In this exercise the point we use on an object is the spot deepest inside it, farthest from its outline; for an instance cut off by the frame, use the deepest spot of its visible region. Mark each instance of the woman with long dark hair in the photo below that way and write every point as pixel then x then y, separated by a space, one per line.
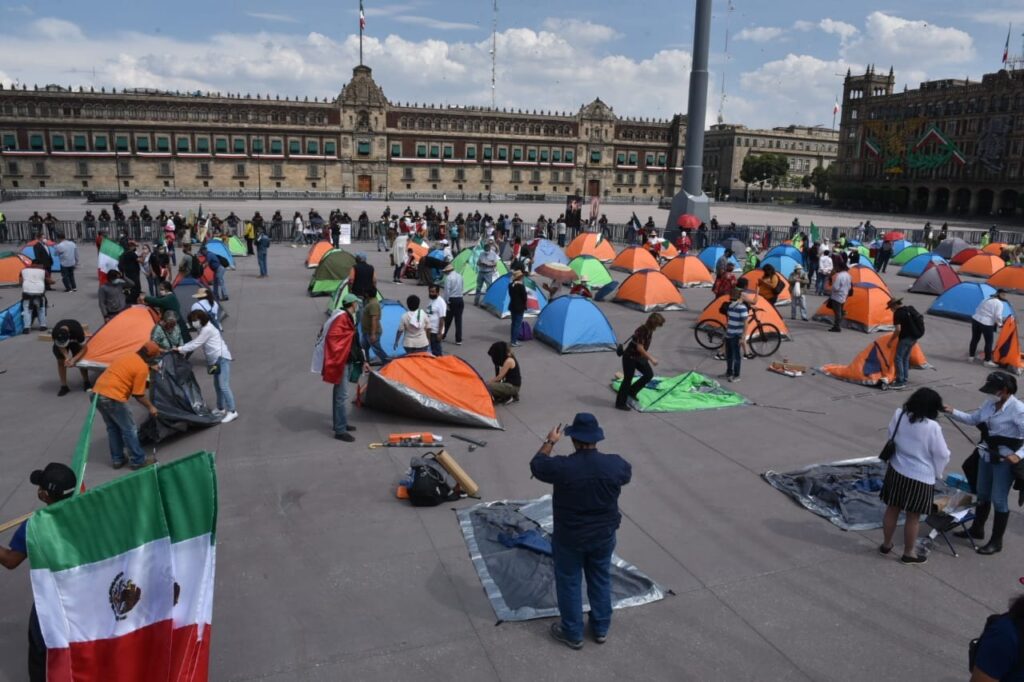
pixel 504 386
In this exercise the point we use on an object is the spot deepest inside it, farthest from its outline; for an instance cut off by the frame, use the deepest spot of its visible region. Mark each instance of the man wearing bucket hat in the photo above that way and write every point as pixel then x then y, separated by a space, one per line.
pixel 1001 422
pixel 586 484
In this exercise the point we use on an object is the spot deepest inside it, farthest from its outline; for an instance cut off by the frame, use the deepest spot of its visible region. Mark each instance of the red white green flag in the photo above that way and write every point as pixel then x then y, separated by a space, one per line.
pixel 110 254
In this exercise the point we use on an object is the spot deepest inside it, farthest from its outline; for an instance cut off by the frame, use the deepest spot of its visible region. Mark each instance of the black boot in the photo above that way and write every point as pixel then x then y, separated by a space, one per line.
pixel 995 545
pixel 977 530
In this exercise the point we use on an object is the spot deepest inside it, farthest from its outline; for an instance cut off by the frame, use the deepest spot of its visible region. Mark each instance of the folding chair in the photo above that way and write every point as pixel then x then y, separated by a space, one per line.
pixel 943 523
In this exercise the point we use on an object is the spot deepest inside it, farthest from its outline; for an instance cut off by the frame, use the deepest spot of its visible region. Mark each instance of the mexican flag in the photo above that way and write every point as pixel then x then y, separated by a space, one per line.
pixel 110 254
pixel 123 575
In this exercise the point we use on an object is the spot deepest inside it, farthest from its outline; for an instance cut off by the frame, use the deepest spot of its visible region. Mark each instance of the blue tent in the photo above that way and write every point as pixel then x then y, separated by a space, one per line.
pixel 573 324
pixel 390 315
pixel 916 266
pixel 219 248
pixel 960 302
pixel 785 250
pixel 866 262
pixel 30 253
pixel 11 322
pixel 546 251
pixel 496 298
pixel 710 256
pixel 784 265
pixel 899 245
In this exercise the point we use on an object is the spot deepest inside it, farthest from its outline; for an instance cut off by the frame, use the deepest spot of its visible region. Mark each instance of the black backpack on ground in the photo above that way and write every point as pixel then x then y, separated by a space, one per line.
pixel 431 483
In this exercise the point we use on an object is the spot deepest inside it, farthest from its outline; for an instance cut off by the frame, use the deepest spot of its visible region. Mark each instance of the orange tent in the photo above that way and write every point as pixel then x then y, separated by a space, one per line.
pixel 123 334
pixel 765 312
pixel 316 252
pixel 862 274
pixel 591 244
pixel 995 248
pixel 965 255
pixel 876 364
pixel 418 250
pixel 649 290
pixel 1010 278
pixel 433 389
pixel 668 249
pixel 865 310
pixel 687 271
pixel 634 259
pixel 983 265
pixel 754 277
pixel 1006 353
pixel 11 265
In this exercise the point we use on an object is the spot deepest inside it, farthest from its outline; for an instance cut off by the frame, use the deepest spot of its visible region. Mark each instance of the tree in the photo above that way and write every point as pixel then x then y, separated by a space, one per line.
pixel 822 178
pixel 805 182
pixel 761 168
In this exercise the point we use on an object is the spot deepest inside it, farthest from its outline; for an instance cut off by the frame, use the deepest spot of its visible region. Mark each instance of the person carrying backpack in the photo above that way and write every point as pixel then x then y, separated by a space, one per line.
pixel 725 282
pixel 909 329
pixel 998 653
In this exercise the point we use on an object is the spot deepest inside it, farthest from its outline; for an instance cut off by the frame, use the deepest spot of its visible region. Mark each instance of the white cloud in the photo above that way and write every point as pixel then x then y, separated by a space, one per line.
pixel 996 17
pixel 6 80
pixel 795 89
pixel 50 28
pixel 842 29
pixel 23 10
pixel 801 25
pixel 889 39
pixel 760 34
pixel 269 16
pixel 577 30
pixel 436 24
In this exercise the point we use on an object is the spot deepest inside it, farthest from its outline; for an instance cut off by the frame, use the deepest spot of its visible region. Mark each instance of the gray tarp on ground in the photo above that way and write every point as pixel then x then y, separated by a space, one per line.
pixel 520 582
pixel 174 391
pixel 845 492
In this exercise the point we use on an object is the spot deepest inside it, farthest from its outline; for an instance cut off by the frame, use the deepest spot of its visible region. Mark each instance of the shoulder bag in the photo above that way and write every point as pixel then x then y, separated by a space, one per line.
pixel 889 449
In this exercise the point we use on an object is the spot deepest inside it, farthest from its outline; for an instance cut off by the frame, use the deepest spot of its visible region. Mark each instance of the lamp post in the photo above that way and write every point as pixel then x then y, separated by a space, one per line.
pixel 259 175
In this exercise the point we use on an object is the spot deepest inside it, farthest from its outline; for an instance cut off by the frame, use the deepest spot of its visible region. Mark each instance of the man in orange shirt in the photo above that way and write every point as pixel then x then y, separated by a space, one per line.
pixel 126 378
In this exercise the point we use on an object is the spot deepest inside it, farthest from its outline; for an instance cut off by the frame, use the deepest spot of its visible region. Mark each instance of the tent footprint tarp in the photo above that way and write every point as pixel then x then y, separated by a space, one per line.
pixel 684 393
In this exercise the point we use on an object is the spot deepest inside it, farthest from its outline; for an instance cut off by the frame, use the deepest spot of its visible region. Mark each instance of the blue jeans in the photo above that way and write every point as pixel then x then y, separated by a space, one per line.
pixel 798 305
pixel 595 563
pixel 27 311
pixel 903 349
pixel 222 386
pixel 375 346
pixel 517 322
pixel 994 481
pixel 483 283
pixel 67 276
pixel 340 396
pixel 220 289
pixel 732 356
pixel 121 431
pixel 435 344
pixel 261 260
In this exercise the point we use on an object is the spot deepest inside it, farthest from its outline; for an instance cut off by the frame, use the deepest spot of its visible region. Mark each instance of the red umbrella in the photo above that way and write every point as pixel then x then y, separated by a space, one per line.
pixel 689 222
pixel 557 272
pixel 893 236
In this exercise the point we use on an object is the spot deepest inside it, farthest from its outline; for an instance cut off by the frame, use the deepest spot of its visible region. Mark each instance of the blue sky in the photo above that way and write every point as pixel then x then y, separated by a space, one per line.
pixel 781 66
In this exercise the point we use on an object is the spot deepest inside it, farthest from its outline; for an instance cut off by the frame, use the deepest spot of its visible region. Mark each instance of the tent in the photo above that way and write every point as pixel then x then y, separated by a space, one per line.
pixel 634 259
pixel 11 265
pixel 935 280
pixel 332 271
pixel 736 245
pixel 865 254
pixel 237 246
pixel 876 364
pixel 573 324
pixel 900 244
pixel 784 265
pixel 785 250
pixel 916 265
pixel 11 321
pixel 122 334
pixel 906 254
pixel 594 270
pixel 866 309
pixel 648 291
pixel 29 252
pixel 862 274
pixel 339 294
pixel 435 389
pixel 466 257
pixel 766 312
pixel 983 265
pixel 218 248
pixel 591 244
pixel 390 317
pixel 668 250
pixel 710 256
pixel 469 273
pixel 686 392
pixel 687 271
pixel 949 248
pixel 754 277
pixel 961 301
pixel 864 263
pixel 995 248
pixel 546 251
pixel 496 299
pixel 419 247
pixel 317 252
pixel 1006 353
pixel 1010 278
pixel 174 391
pixel 509 543
pixel 964 256
pixel 206 278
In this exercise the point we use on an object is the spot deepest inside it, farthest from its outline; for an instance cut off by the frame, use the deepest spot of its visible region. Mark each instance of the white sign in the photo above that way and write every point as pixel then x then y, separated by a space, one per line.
pixel 346 233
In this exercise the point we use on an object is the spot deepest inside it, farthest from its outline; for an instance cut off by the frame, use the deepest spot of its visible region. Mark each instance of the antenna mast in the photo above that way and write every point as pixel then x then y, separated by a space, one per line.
pixel 494 54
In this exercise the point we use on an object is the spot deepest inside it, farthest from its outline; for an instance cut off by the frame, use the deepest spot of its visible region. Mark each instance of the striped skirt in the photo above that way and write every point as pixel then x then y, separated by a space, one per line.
pixel 909 495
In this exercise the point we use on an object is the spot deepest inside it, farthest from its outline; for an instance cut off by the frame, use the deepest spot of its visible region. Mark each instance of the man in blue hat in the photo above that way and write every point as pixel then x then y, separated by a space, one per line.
pixel 586 484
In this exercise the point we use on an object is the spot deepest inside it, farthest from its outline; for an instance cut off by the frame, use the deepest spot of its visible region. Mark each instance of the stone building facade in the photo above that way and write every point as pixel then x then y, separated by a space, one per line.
pixel 949 147
pixel 358 143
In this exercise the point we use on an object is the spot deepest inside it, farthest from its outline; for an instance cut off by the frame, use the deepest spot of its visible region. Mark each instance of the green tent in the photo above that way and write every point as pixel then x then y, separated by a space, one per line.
pixel 466 256
pixel 468 272
pixel 340 294
pixel 906 254
pixel 594 270
pixel 865 253
pixel 331 272
pixel 684 393
pixel 237 246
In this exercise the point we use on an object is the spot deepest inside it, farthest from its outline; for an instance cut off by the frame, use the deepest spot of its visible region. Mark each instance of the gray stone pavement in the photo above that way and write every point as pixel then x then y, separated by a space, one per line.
pixel 324 575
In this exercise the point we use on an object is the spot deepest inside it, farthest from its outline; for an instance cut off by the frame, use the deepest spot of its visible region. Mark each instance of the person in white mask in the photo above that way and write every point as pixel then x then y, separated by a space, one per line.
pixel 218 361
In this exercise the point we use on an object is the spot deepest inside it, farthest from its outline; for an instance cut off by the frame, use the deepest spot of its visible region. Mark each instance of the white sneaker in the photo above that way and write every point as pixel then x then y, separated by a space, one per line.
pixel 229 417
pixel 218 413
pixel 989 363
pixel 970 358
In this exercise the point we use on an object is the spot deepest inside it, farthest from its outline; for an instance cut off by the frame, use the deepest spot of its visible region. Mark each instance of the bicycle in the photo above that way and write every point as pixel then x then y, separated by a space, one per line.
pixel 764 338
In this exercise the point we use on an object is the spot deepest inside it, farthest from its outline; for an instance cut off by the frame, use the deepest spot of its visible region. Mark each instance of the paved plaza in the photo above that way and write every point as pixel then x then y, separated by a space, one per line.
pixel 323 575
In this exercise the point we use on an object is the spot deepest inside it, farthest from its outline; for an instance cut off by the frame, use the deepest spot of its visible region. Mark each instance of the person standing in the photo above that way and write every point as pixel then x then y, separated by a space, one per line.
pixel 220 288
pixel 517 301
pixel 587 484
pixel 362 280
pixel 130 266
pixel 218 361
pixel 437 310
pixel 453 296
pixel 824 271
pixel 262 246
pixel 842 286
pixel 67 252
pixel 370 321
pixel 68 344
pixel 486 262
pixel 884 255
pixel 771 285
pixel 123 379
pixel 908 330
pixel 250 232
pixel 736 313
pixel 33 296
pixel 160 265
pixel 986 319
pixel 413 325
pixel 1001 422
pixel 298 230
pixel 921 456
pixel 331 357
pixel 508 380
pixel 636 356
pixel 798 282
pixel 111 295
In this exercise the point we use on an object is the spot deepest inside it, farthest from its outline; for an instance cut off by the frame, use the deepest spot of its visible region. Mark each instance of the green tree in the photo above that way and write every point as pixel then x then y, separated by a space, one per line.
pixel 761 168
pixel 822 178
pixel 805 182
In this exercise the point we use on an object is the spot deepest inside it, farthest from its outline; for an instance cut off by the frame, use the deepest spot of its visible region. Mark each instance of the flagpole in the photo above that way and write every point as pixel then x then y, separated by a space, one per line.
pixel 362 24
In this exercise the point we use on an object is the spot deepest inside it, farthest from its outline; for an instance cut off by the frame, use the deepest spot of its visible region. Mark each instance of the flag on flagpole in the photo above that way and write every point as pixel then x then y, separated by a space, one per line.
pixel 362 17
pixel 1006 48
pixel 81 456
pixel 835 107
pixel 110 254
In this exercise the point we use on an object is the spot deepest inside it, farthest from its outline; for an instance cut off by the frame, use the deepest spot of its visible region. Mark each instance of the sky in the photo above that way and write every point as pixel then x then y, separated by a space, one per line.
pixel 783 63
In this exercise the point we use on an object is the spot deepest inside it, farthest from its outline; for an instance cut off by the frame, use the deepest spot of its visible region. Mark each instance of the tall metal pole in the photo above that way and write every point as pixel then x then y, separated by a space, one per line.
pixel 698 102
pixel 494 55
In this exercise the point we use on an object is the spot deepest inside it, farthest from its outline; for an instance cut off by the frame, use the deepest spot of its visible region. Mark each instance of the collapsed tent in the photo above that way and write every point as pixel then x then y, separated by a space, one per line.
pixel 918 264
pixel 649 290
pixel 876 364
pixel 907 254
pixel 845 493
pixel 11 321
pixel 125 333
pixel 317 252
pixel 935 280
pixel 594 270
pixel 949 248
pixel 509 543
pixel 496 299
pixel 983 265
pixel 174 391
pixel 591 244
pixel 634 259
pixel 573 324
pixel 784 265
pixel 546 251
pixel 964 256
pixel 1010 278
pixel 216 247
pixel 866 309
pixel 754 278
pixel 333 269
pixel 390 317
pixel 439 389
pixel 766 312
pixel 961 301
pixel 685 392
pixel 1006 353
pixel 11 265
pixel 237 247
pixel 710 256
pixel 29 252
pixel 687 271
pixel 785 250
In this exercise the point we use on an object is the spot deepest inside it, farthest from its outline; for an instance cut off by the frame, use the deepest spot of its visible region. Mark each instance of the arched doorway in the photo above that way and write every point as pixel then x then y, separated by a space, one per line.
pixel 941 199
pixel 985 198
pixel 593 187
pixel 962 202
pixel 921 200
pixel 1010 202
pixel 364 184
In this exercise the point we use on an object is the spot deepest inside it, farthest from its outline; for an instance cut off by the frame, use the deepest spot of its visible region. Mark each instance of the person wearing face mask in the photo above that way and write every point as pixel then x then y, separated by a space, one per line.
pixel 206 303
pixel 218 361
pixel 485 265
pixel 111 295
pixel 125 378
pixel 166 333
pixel 331 354
pixel 68 345
pixel 653 245
pixel 165 301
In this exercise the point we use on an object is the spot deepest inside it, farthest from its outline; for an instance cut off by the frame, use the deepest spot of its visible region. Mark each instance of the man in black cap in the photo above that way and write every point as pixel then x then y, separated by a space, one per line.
pixel 68 343
pixel 56 482
pixel 586 484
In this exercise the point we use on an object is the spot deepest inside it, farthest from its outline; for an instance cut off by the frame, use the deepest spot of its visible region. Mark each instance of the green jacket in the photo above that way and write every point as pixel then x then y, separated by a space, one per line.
pixel 170 302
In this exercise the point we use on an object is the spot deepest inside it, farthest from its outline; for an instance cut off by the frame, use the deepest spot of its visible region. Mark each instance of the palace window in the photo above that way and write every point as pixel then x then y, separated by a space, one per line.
pixel 277 170
pixel 294 147
pixel 535 176
pixel 421 151
pixel 312 147
pixel 435 174
pixel 100 143
pixel 569 156
pixel 460 174
pixel 182 143
pixel 221 145
pixel 331 148
pixel 165 169
pixel 142 144
pixel 471 151
pixel 517 176
pixel 544 155
pixel 517 154
pixel 79 143
pixel 488 153
pixel 632 158
pixel 204 170
pixel 448 151
pixel 121 143
pixel 595 156
pixel 396 149
pixel 239 145
pixel 10 141
pixel 240 170
pixel 661 159
pixel 276 146
pixel 407 174
pixel 163 143
pixel 620 158
pixel 82 169
pixel 312 171
pixel 556 155
pixel 363 148
pixel 649 160
pixel 502 154
pixel 487 175
pixel 435 151
pixel 56 143
pixel 257 145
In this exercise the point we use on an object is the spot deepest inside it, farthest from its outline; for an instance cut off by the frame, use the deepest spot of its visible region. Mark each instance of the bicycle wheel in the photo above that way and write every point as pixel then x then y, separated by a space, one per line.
pixel 710 334
pixel 765 340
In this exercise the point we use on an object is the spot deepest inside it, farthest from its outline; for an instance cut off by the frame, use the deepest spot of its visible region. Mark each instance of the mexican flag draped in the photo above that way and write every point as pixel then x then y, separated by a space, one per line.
pixel 110 254
pixel 123 576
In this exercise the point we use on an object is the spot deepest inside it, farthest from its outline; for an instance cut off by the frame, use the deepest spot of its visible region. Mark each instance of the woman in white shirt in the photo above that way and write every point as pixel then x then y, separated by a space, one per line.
pixel 920 458
pixel 218 361
pixel 413 324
